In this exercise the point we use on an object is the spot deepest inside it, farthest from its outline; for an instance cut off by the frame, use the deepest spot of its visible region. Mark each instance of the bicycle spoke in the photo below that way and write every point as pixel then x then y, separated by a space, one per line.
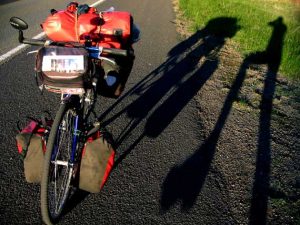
pixel 60 175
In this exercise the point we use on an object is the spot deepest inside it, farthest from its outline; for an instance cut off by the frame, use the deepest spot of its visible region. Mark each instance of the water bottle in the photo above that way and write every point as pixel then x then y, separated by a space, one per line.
pixel 111 9
pixel 110 78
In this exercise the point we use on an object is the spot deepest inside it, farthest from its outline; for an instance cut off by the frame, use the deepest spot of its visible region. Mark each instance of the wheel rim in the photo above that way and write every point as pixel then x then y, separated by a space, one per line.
pixel 61 168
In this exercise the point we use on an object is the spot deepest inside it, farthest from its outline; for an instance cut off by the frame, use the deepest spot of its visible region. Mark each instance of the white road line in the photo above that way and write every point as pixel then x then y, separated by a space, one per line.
pixel 5 57
pixel 16 50
pixel 97 3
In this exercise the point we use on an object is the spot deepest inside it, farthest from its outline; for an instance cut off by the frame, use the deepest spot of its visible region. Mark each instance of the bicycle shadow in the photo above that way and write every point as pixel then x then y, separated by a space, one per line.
pixel 177 80
pixel 3 2
pixel 184 182
pixel 76 198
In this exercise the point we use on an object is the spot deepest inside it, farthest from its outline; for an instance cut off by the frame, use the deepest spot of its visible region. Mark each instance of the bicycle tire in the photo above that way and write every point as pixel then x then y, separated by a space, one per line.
pixel 53 171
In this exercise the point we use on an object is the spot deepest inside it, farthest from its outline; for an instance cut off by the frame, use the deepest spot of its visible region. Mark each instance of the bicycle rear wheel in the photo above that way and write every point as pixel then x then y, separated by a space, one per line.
pixel 58 170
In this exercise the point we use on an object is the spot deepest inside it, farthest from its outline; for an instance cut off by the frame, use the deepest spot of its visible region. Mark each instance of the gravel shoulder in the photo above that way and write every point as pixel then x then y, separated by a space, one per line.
pixel 250 118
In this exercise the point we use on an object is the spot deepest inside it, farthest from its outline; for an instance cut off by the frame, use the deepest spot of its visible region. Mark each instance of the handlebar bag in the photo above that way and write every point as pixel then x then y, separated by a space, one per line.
pixel 96 163
pixel 63 68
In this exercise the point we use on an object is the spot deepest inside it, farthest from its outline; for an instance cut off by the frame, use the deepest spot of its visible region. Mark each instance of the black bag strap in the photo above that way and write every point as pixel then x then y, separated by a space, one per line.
pixel 27 140
pixel 40 123
pixel 39 81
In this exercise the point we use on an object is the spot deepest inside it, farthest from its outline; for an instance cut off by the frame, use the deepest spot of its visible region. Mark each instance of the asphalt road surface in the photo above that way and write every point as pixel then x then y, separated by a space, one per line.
pixel 32 11
pixel 154 123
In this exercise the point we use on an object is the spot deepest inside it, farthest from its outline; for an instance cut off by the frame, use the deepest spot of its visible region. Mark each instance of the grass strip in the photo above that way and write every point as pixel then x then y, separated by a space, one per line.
pixel 253 17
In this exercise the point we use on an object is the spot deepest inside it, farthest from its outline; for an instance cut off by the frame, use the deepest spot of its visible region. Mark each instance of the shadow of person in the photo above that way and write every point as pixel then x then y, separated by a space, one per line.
pixel 185 181
pixel 216 30
pixel 272 58
pixel 182 182
pixel 273 53
pixel 177 80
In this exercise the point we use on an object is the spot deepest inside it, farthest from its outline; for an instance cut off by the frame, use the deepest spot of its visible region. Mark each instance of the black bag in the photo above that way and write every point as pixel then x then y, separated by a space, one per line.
pixel 115 75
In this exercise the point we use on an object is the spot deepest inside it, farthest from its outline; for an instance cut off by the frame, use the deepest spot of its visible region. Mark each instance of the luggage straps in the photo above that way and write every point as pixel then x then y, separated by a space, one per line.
pixel 34 127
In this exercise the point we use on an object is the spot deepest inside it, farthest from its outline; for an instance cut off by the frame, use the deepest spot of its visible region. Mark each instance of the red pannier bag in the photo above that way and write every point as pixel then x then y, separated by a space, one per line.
pixel 96 164
pixel 116 29
pixel 31 143
pixel 107 29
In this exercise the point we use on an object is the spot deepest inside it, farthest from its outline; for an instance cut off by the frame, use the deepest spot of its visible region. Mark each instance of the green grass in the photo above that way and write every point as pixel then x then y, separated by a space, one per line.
pixel 253 18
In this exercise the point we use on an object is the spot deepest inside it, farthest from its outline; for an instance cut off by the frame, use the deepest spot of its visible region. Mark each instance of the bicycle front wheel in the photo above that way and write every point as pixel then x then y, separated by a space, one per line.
pixel 58 170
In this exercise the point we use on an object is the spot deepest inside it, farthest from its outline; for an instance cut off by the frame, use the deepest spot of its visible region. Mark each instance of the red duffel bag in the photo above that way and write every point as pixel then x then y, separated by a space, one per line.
pixel 108 29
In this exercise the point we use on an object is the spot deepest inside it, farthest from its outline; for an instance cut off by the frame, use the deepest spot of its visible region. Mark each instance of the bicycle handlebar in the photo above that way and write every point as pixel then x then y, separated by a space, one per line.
pixel 110 51
pixel 115 51
pixel 33 42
